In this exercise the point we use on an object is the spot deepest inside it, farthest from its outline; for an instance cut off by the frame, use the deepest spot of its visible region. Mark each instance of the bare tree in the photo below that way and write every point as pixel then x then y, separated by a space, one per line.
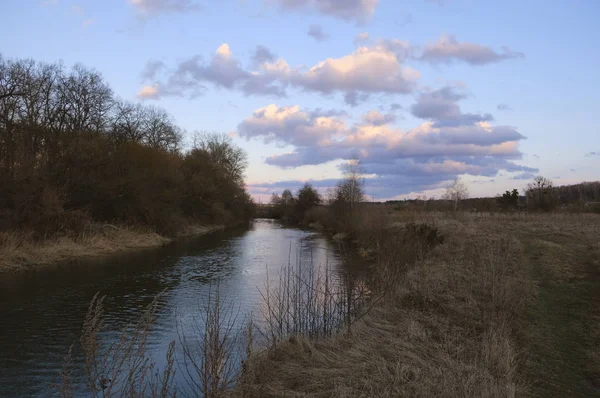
pixel 287 197
pixel 223 152
pixel 350 190
pixel 160 130
pixel 456 192
pixel 541 194
pixel 127 122
pixel 86 100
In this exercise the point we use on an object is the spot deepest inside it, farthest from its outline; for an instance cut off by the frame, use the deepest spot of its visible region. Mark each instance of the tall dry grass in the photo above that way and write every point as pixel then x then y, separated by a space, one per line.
pixel 211 348
pixel 122 368
pixel 19 250
pixel 310 301
pixel 445 327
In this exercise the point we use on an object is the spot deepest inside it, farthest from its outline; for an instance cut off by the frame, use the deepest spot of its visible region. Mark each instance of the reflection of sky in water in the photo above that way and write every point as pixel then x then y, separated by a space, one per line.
pixel 41 312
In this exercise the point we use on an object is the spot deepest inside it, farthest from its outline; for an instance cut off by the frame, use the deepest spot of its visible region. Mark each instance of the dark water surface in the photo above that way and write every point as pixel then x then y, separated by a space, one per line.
pixel 41 311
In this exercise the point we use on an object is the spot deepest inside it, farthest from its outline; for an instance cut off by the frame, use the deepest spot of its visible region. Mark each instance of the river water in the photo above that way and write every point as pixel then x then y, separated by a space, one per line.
pixel 42 311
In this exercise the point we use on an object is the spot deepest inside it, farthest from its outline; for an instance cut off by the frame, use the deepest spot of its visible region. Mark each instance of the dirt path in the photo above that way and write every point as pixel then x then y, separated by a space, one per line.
pixel 562 335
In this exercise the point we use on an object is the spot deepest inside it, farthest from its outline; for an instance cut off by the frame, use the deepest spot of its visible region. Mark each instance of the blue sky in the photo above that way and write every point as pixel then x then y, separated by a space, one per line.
pixel 421 91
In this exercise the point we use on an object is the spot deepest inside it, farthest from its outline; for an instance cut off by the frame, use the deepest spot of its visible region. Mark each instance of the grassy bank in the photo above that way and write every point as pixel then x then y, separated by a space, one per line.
pixel 445 327
pixel 18 251
pixel 507 306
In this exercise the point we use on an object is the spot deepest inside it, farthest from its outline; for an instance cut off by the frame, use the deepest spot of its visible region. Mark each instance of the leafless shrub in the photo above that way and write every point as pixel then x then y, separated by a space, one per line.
pixel 122 368
pixel 310 301
pixel 210 361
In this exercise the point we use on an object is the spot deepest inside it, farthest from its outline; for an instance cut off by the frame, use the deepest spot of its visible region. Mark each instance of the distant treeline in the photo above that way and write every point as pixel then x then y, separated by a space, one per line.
pixel 72 153
pixel 540 194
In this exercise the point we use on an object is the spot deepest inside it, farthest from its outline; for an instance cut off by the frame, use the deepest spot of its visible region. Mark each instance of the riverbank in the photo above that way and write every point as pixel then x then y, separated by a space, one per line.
pixel 490 312
pixel 18 252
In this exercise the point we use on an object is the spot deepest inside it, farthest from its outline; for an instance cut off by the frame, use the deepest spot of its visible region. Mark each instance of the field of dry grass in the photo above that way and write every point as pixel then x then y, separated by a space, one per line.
pixel 19 252
pixel 508 306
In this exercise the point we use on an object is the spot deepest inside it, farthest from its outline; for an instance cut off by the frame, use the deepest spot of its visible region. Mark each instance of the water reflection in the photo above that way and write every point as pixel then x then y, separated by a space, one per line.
pixel 41 311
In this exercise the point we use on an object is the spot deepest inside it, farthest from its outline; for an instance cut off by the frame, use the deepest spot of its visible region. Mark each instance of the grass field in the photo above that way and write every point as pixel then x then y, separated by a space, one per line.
pixel 508 306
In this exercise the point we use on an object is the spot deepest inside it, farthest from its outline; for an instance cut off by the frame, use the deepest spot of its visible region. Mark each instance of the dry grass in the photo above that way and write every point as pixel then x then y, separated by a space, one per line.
pixel 122 368
pixel 18 251
pixel 446 329
pixel 508 306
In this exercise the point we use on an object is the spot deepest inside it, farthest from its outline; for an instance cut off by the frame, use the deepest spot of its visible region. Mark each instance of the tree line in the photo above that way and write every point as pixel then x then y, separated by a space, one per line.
pixel 539 195
pixel 338 212
pixel 71 153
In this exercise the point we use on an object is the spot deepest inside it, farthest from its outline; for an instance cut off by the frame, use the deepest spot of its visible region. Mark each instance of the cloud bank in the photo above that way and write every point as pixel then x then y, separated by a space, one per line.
pixel 447 144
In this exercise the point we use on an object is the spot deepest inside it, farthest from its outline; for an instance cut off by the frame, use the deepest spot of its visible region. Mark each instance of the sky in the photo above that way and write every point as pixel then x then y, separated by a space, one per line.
pixel 421 92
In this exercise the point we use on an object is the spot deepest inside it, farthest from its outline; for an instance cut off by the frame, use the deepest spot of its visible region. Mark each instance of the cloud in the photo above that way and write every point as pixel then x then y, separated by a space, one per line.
pixel 367 70
pixel 361 38
pixel 590 154
pixel 317 33
pixel 150 8
pixel 442 108
pixel 222 71
pixel 261 55
pixel 447 50
pixel 399 161
pixel 290 125
pixel 504 107
pixel 524 176
pixel 148 92
pixel 377 119
pixel 353 98
pixel 348 10
pixel 151 70
pixel 87 22
pixel 395 107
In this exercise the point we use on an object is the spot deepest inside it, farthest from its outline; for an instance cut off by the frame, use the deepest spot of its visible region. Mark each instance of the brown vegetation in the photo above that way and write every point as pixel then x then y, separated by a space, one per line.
pixel 445 327
pixel 459 304
pixel 507 306
pixel 72 155
pixel 19 251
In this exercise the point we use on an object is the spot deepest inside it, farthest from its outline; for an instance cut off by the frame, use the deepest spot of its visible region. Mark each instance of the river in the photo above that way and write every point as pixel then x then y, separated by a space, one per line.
pixel 42 310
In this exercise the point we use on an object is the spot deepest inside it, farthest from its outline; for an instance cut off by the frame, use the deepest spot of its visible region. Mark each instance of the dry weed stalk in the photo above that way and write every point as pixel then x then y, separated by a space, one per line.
pixel 122 368
pixel 310 301
pixel 210 363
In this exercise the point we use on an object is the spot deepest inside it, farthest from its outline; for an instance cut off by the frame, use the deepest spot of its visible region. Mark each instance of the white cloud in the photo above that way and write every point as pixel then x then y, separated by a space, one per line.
pixel 375 69
pixel 290 125
pixel 223 51
pixel 368 69
pixel 377 119
pixel 148 92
